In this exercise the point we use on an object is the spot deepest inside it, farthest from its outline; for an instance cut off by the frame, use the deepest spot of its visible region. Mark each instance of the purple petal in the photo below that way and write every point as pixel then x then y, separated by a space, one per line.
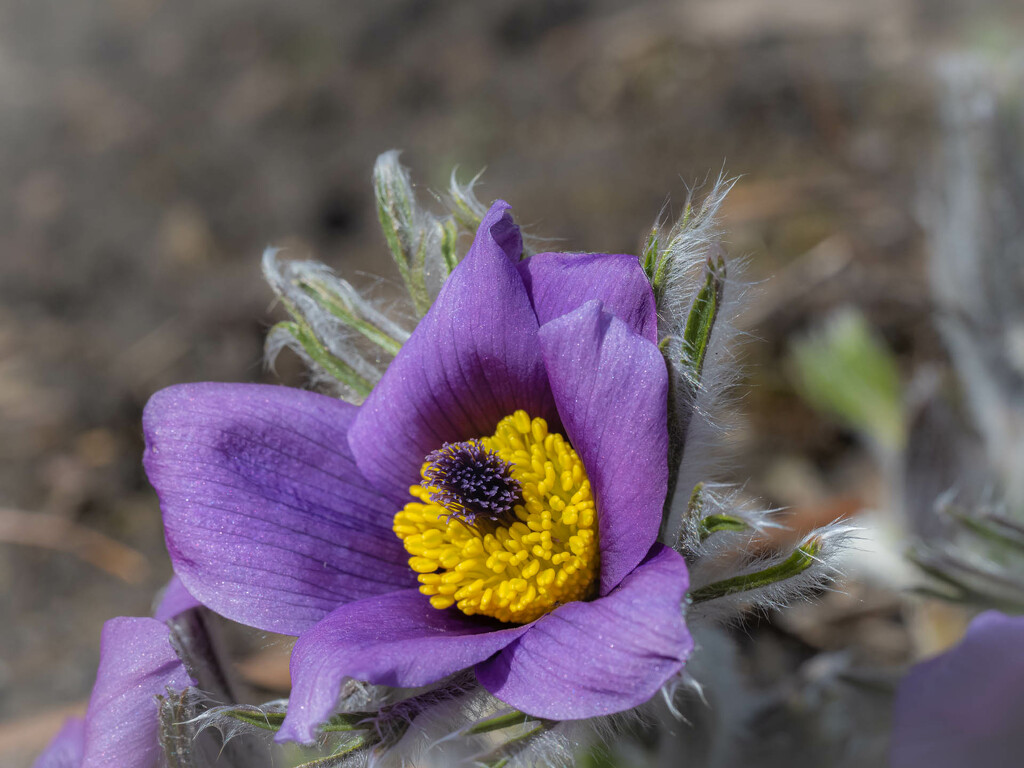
pixel 67 747
pixel 611 389
pixel 175 600
pixel 137 663
pixel 268 520
pixel 396 639
pixel 558 283
pixel 966 706
pixel 612 654
pixel 472 360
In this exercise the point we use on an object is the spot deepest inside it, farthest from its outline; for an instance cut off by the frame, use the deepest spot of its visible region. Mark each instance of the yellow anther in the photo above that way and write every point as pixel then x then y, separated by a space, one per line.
pixel 515 573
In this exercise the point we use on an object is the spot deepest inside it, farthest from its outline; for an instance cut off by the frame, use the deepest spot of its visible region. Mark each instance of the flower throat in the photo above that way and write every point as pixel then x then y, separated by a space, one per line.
pixel 504 525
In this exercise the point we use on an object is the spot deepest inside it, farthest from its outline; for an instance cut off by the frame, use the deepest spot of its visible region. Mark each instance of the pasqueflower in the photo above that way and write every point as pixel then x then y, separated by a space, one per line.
pixel 493 504
pixel 137 663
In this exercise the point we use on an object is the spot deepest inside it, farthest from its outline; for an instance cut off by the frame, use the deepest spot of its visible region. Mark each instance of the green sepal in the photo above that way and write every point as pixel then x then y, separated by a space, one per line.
pixel 334 366
pixel 341 309
pixel 701 321
pixel 803 557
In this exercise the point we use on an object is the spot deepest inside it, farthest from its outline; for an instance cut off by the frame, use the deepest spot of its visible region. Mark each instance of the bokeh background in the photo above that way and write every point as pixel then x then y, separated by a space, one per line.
pixel 150 150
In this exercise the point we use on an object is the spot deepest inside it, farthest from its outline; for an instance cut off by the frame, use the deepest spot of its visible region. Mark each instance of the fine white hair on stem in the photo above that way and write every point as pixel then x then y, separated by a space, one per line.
pixel 825 548
pixel 711 416
pixel 721 554
pixel 685 246
pixel 680 260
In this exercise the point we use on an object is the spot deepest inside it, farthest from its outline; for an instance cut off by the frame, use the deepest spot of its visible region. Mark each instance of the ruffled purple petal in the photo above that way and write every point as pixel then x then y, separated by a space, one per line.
pixel 175 600
pixel 965 707
pixel 558 283
pixel 597 658
pixel 137 663
pixel 611 387
pixel 268 520
pixel 473 360
pixel 397 640
pixel 67 747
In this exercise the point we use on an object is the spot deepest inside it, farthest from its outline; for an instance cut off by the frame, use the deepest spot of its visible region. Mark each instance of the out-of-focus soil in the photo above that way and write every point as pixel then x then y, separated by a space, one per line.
pixel 150 150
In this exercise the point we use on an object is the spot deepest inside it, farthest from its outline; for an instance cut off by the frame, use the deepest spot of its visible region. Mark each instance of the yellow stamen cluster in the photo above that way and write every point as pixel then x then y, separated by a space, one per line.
pixel 548 556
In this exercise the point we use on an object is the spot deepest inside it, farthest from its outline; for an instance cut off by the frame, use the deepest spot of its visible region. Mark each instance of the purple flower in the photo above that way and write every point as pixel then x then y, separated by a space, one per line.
pixel 137 663
pixel 966 706
pixel 517 445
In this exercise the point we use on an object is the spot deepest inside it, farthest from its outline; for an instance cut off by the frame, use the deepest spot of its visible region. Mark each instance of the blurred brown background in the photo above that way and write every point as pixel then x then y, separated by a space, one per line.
pixel 150 150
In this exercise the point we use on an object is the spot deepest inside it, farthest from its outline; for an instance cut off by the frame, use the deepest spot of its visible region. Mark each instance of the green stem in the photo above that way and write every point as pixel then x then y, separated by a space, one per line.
pixel 802 558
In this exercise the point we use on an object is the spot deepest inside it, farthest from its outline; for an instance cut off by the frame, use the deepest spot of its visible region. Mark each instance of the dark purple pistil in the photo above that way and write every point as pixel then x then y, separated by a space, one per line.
pixel 472 483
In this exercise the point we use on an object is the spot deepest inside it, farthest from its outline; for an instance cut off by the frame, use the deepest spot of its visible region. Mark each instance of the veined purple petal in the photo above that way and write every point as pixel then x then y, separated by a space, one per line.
pixel 67 747
pixel 136 664
pixel 175 599
pixel 965 707
pixel 558 283
pixel 473 360
pixel 597 658
pixel 268 520
pixel 611 387
pixel 396 639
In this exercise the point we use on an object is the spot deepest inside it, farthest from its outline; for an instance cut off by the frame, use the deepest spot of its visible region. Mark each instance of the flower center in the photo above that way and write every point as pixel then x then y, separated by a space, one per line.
pixel 472 482
pixel 503 526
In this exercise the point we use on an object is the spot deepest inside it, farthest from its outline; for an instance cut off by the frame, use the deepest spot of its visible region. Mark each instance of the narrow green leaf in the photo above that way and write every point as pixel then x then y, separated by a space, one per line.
pixel 349 721
pixel 335 758
pixel 696 503
pixel 465 204
pixel 663 257
pixel 716 523
pixel 334 304
pixel 802 558
pixel 701 321
pixel 498 722
pixel 449 240
pixel 649 259
pixel 396 213
pixel 272 721
pixel 336 368
pixel 268 721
